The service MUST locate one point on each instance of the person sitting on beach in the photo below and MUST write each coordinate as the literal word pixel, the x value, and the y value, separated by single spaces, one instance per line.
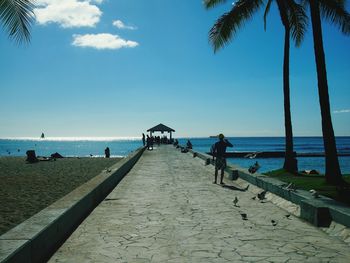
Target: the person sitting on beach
pixel 219 151
pixel 189 144
pixel 31 157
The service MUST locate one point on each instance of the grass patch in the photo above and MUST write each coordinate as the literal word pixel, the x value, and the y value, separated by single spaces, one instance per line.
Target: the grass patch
pixel 308 182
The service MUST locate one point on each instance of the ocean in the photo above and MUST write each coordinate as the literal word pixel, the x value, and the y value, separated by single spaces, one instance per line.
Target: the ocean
pixel 257 144
pixel 85 147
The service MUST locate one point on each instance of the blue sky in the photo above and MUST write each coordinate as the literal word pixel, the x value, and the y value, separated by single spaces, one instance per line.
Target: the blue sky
pixel 119 67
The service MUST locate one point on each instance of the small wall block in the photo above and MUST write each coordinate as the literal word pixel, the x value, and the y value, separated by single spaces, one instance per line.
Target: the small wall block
pixel 315 212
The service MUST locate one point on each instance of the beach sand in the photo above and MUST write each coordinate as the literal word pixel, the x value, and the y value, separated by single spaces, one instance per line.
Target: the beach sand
pixel 25 189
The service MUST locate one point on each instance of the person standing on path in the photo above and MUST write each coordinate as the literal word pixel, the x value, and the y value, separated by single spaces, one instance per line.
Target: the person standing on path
pixel 219 151
pixel 143 139
pixel 107 152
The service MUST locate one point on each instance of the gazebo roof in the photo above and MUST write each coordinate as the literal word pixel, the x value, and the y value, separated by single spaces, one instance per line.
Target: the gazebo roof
pixel 161 128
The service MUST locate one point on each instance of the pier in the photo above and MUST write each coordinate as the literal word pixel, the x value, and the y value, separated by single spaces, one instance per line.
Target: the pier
pixel 166 209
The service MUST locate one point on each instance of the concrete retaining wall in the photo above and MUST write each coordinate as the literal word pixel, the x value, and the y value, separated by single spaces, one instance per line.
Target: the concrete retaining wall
pixel 318 211
pixel 37 238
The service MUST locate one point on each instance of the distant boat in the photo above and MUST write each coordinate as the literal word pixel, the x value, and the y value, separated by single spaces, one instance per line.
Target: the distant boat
pixel 42 136
pixel 213 136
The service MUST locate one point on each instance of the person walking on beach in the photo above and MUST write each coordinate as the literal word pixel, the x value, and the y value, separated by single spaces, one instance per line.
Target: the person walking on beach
pixel 219 150
pixel 143 139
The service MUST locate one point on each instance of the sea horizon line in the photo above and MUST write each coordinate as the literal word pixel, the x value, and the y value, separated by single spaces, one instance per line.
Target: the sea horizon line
pixel 135 138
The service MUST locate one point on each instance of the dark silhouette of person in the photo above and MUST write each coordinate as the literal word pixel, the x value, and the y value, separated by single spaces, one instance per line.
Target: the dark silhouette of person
pixel 107 152
pixel 149 142
pixel 152 142
pixel 219 151
pixel 31 157
pixel 189 144
pixel 143 139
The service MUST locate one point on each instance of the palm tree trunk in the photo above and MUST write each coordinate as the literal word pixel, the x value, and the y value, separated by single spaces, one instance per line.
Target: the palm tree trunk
pixel 333 174
pixel 290 162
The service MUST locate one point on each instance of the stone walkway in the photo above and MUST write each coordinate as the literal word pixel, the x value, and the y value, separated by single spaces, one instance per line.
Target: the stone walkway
pixel 167 210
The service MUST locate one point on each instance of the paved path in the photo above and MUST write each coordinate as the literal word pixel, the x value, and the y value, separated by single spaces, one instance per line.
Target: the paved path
pixel 167 210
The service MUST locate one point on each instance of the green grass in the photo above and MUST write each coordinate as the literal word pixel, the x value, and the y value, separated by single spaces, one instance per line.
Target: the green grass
pixel 308 182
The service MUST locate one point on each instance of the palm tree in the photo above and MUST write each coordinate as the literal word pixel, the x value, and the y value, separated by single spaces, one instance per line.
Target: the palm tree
pixel 293 18
pixel 334 11
pixel 294 21
pixel 16 17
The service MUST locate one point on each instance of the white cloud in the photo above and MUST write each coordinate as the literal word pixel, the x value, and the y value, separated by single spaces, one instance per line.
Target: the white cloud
pixel 119 24
pixel 68 13
pixel 102 41
pixel 342 111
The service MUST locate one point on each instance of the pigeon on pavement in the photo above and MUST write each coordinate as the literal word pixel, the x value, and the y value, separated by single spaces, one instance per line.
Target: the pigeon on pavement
pixel 235 201
pixel 244 216
pixel 261 195
pixel 314 193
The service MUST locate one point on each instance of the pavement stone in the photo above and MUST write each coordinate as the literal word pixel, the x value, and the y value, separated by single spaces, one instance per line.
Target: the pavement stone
pixel 166 209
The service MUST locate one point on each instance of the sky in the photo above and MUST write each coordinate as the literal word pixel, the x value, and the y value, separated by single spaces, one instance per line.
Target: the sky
pixel 114 68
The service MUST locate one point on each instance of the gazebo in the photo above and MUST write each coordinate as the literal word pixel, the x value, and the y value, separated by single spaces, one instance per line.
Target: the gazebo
pixel 161 128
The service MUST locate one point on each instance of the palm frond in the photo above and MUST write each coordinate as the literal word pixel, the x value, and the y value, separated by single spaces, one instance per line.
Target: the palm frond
pixel 212 3
pixel 267 10
pixel 229 23
pixel 17 17
pixel 298 21
pixel 334 11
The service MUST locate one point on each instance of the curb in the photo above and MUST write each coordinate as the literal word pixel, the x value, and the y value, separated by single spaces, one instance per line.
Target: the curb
pixel 37 238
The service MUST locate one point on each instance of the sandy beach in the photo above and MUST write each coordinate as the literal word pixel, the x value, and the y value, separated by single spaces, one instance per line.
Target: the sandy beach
pixel 25 189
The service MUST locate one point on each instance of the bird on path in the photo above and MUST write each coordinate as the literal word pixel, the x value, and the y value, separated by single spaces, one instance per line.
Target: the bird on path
pixel 274 223
pixel 291 187
pixel 235 201
pixel 244 216
pixel 314 193
pixel 287 185
pixel 253 168
pixel 261 195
